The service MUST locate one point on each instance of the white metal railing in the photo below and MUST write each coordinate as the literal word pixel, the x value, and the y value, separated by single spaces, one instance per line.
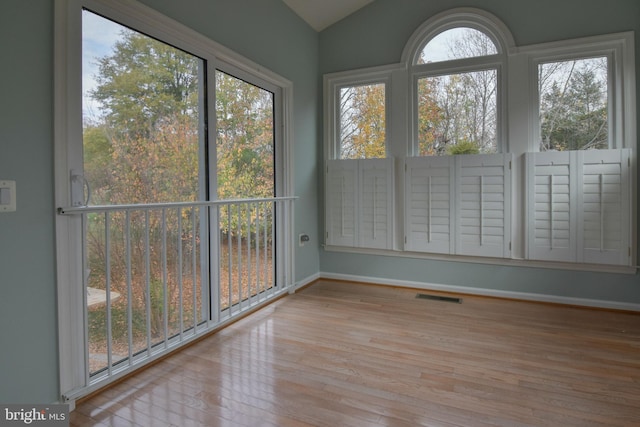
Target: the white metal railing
pixel 158 275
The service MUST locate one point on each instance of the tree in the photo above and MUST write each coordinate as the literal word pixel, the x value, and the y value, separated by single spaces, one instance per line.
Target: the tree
pixel 245 139
pixel 144 83
pixel 458 107
pixel 431 140
pixel 573 105
pixel 363 122
pixel 98 159
pixel 147 144
pixel 149 124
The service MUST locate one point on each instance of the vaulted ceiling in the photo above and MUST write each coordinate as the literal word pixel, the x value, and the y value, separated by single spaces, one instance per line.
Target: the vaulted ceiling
pixel 320 14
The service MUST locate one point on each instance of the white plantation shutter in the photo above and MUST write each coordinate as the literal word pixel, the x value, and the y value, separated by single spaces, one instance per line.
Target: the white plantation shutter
pixel 375 218
pixel 551 206
pixel 578 206
pixel 429 197
pixel 603 206
pixel 341 199
pixel 359 210
pixel 483 205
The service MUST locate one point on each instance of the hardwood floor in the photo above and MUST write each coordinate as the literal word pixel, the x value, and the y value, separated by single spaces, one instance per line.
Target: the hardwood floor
pixel 344 354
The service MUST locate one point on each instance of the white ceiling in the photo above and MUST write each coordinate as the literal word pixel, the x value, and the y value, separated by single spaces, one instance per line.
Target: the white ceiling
pixel 322 13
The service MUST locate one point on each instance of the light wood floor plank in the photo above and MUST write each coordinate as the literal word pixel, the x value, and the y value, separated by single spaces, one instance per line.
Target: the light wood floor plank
pixel 346 354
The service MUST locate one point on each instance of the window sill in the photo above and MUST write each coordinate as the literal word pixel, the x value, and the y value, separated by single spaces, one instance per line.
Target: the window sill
pixel 509 262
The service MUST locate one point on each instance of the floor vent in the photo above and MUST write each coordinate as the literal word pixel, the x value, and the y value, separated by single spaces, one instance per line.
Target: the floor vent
pixel 440 298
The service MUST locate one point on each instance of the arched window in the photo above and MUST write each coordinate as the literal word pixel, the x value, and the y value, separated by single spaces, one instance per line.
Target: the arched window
pixel 457 43
pixel 457 61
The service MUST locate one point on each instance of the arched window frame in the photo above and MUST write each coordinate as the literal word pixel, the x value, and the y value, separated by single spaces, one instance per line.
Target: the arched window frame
pixel 475 19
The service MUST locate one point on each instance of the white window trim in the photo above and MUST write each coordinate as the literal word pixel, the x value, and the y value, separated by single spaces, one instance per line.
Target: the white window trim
pixel 68 125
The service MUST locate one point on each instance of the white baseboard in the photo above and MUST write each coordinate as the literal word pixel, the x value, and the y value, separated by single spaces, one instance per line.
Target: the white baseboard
pixel 525 296
pixel 304 282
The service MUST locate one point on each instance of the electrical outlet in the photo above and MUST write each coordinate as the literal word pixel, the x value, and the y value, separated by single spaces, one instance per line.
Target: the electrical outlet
pixel 7 196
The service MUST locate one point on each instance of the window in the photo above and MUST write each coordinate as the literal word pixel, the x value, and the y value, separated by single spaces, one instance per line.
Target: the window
pixel 142 116
pixel 359 173
pixel 456 75
pixel 542 173
pixel 362 118
pixel 583 94
pixel 245 138
pixel 457 43
pixel 143 141
pixel 457 113
pixel 175 205
pixel 574 104
pixel 579 173
pixel 358 113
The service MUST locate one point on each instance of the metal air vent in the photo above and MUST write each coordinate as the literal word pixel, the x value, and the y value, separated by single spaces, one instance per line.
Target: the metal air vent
pixel 440 298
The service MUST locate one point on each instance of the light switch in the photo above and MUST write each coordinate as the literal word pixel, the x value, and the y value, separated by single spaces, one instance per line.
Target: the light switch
pixel 7 196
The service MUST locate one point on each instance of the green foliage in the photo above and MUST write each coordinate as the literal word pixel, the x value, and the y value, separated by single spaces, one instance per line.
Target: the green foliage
pixel 245 139
pixel 145 147
pixel 144 82
pixel 463 147
pixel 573 106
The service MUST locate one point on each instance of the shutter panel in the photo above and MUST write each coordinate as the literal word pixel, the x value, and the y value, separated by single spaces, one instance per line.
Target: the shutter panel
pixel 429 198
pixel 578 206
pixel 603 206
pixel 341 202
pixel 483 205
pixel 551 207
pixel 375 219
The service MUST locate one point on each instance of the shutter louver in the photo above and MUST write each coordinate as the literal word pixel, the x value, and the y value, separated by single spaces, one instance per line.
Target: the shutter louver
pixel 376 203
pixel 603 215
pixel 429 196
pixel 483 205
pixel 551 221
pixel 359 197
pixel 341 202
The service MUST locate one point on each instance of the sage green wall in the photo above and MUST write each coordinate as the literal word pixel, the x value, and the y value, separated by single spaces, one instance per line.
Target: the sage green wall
pixel 377 34
pixel 265 31
pixel 28 335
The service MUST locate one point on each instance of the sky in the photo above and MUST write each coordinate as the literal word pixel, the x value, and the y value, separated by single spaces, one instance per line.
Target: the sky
pixel 439 48
pixel 98 37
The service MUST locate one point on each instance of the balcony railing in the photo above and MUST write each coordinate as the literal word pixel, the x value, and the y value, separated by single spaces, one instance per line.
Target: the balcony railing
pixel 159 275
